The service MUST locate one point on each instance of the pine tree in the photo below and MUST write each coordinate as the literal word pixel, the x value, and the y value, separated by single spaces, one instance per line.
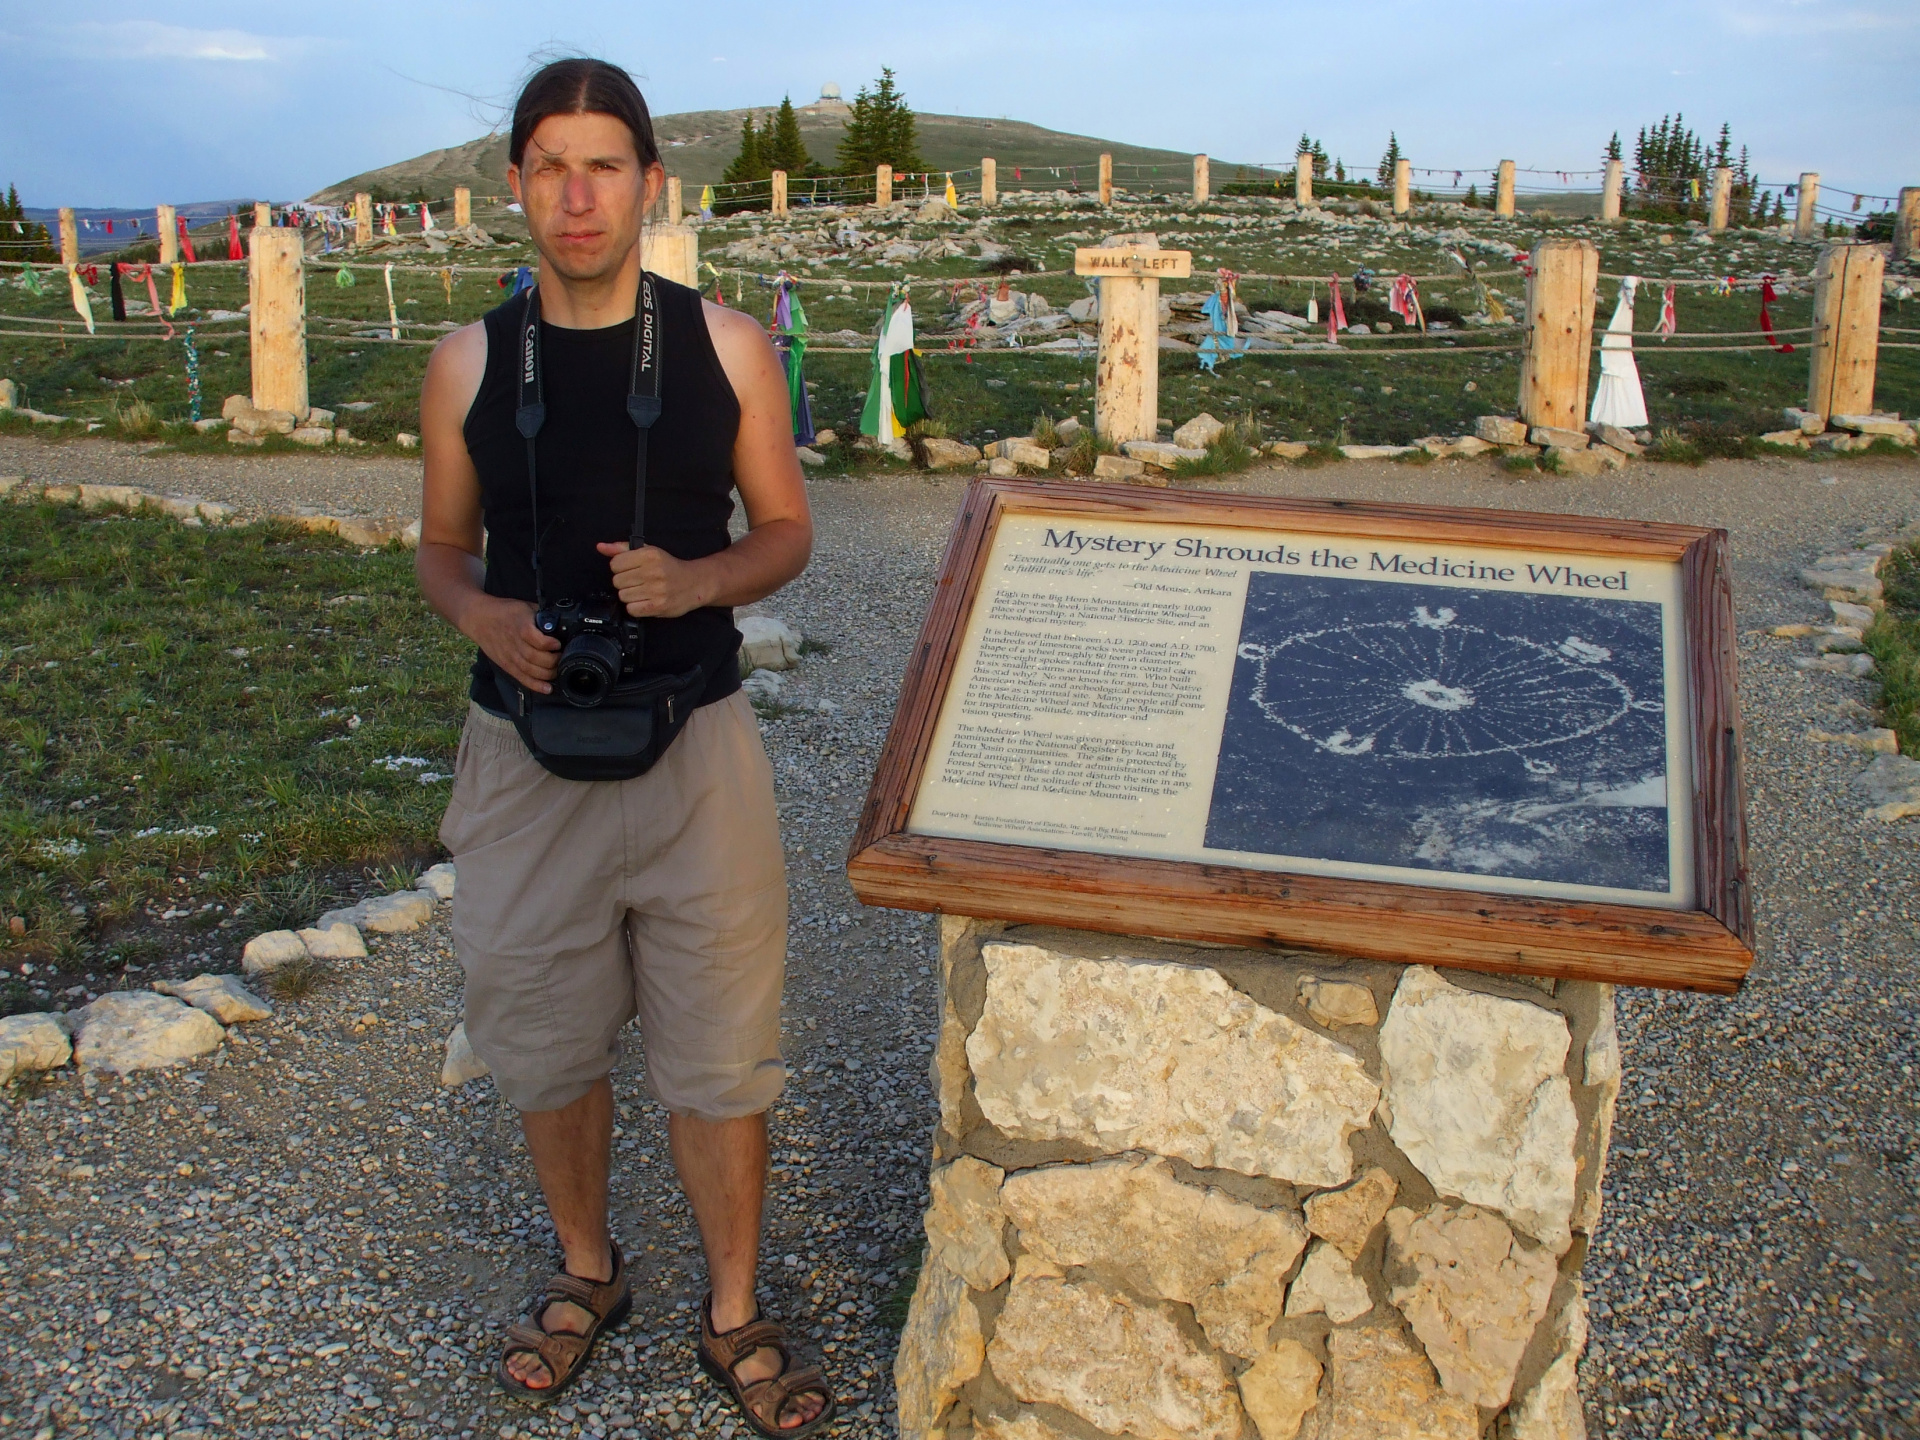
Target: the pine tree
pixel 749 164
pixel 880 131
pixel 30 242
pixel 1613 149
pixel 1389 161
pixel 784 148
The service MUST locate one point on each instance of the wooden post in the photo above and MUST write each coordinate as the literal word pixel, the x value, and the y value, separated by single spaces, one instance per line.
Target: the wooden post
pixel 69 237
pixel 1559 339
pixel 362 220
pixel 883 186
pixel 1809 196
pixel 1846 333
pixel 1303 178
pixel 169 227
pixel 1202 179
pixel 1610 192
pixel 779 192
pixel 462 207
pixel 1106 179
pixel 1503 192
pixel 277 288
pixel 989 181
pixel 262 215
pixel 1126 399
pixel 676 200
pixel 1722 198
pixel 673 252
pixel 1402 186
pixel 1906 224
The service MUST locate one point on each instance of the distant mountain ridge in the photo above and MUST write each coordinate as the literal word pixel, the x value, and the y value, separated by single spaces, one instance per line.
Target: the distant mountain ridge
pixel 697 145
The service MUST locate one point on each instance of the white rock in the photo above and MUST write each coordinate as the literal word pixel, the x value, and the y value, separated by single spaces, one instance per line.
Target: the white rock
pixel 397 913
pixel 1022 451
pixel 1279 1388
pixel 40 1041
pixel 354 915
pixel 1116 1362
pixel 809 457
pixel 460 1064
pixel 1892 783
pixel 1199 432
pixel 132 1030
pixel 1159 454
pixel 1025 1426
pixel 311 435
pixel 1191 1243
pixel 1122 1055
pixel 1600 1061
pixel 965 1223
pixel 1480 1102
pixel 1856 667
pixel 1376 452
pixel 1337 1002
pixel 1346 1218
pixel 221 996
pixel 942 454
pixel 941 1349
pixel 768 643
pixel 338 941
pixel 1551 1408
pixel 271 949
pixel 1474 1296
pixel 763 686
pixel 1068 429
pixel 440 880
pixel 1327 1285
pixel 1380 1388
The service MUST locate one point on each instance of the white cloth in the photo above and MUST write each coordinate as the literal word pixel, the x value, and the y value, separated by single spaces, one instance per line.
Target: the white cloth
pixel 896 338
pixel 1619 399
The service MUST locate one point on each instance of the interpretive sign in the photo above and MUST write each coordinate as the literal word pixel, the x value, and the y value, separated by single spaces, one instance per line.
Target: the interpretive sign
pixel 1133 260
pixel 1470 738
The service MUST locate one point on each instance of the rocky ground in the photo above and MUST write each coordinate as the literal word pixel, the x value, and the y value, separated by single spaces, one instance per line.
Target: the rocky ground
pixel 306 1236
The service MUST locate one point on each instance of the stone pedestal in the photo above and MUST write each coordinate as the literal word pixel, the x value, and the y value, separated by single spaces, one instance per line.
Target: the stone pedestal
pixel 1216 1193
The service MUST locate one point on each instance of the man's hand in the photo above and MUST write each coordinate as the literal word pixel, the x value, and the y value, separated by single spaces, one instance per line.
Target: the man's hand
pixel 504 630
pixel 651 582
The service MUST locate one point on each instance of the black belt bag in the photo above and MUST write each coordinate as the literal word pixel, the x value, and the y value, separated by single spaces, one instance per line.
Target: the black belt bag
pixel 617 739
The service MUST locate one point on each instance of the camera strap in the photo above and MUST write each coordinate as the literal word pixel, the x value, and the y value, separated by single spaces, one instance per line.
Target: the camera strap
pixel 643 408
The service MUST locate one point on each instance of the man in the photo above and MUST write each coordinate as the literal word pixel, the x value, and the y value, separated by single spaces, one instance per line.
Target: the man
pixel 585 901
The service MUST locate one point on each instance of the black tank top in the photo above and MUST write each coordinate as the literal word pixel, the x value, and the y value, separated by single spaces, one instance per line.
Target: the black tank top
pixel 586 459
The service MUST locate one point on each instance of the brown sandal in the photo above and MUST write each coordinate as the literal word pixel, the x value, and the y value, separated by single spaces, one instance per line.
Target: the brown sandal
pixel 565 1352
pixel 761 1401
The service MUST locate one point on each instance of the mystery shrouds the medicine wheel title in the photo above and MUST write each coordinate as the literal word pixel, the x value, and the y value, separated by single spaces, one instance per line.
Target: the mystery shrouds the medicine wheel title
pixel 1457 737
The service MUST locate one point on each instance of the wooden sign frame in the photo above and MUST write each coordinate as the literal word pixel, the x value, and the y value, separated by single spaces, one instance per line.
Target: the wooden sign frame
pixel 1708 947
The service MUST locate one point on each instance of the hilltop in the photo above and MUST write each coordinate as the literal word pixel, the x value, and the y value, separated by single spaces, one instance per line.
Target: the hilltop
pixel 697 144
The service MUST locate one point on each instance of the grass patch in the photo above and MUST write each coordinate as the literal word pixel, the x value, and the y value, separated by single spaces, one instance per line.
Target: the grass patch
pixel 892 1310
pixel 298 979
pixel 1894 642
pixel 203 737
pixel 1519 464
pixel 1321 452
pixel 1234 449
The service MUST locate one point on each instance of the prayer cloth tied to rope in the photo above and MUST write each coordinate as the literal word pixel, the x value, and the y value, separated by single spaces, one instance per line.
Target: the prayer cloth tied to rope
pixel 789 329
pixel 1619 398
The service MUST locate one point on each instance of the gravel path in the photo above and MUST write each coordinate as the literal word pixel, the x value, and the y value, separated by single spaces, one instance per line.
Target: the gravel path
pixel 189 1252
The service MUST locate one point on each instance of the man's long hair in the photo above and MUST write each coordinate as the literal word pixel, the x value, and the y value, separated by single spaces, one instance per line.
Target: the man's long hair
pixel 582 87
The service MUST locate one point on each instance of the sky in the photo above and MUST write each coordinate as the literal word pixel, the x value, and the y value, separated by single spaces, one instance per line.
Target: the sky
pixel 121 109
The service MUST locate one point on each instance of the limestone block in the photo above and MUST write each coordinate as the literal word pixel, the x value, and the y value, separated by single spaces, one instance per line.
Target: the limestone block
pixel 1002 468
pixel 1892 427
pixel 1337 1002
pixel 1551 1409
pixel 338 941
pixel 1618 439
pixel 1858 616
pixel 1286 449
pixel 1025 1426
pixel 1892 783
pixel 1346 1218
pixel 965 1222
pixel 1196 1244
pixel 948 1067
pixel 1499 430
pixel 397 913
pixel 1199 432
pixel 119 497
pixel 1124 1055
pixel 314 435
pixel 221 996
pixel 1376 452
pixel 1068 429
pixel 1380 1387
pixel 1555 438
pixel 317 415
pixel 767 643
pixel 34 1042
pixel 1475 1297
pixel 132 1030
pixel 1479 1101
pixel 1279 1388
pixel 460 1064
pixel 262 422
pixel 365 531
pixel 271 949
pixel 948 454
pixel 1159 453
pixel 1327 1285
pixel 941 1349
pixel 1021 451
pixel 440 880
pixel 1795 438
pixel 1116 1362
pixel 235 405
pixel 1574 462
pixel 1118 467
pixel 1808 422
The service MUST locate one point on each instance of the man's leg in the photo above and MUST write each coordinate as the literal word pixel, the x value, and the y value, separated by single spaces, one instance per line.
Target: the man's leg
pixel 571 1147
pixel 723 1169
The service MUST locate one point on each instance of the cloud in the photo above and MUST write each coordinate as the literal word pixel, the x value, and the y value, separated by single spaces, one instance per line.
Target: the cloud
pixel 154 40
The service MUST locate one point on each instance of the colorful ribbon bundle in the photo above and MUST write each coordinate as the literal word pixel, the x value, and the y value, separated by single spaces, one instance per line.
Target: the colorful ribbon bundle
pixel 193 378
pixel 1669 320
pixel 789 329
pixel 1336 311
pixel 1223 339
pixel 1767 296
pixel 1404 301
pixel 895 398
pixel 178 300
pixel 138 273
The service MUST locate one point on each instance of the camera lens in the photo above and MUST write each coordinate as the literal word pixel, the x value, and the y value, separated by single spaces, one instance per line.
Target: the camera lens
pixel 589 666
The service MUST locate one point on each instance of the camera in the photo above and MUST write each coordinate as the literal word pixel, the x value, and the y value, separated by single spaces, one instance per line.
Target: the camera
pixel 599 642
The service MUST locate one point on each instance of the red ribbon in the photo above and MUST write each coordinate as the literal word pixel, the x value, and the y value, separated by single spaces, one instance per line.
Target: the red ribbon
pixel 186 245
pixel 137 273
pixel 234 252
pixel 1336 312
pixel 1767 297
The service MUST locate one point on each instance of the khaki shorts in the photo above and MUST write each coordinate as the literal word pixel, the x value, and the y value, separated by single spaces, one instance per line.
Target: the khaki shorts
pixel 584 903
